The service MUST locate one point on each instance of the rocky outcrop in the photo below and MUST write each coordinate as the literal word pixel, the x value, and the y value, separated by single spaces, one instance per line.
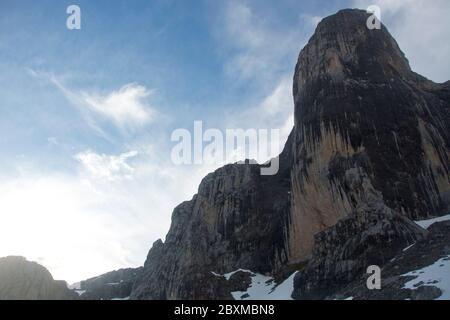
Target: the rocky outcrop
pixel 406 266
pixel 369 151
pixel 369 236
pixel 112 285
pixel 24 280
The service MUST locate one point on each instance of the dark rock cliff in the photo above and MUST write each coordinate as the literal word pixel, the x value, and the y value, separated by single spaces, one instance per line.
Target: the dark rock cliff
pixel 25 280
pixel 367 130
pixel 369 151
pixel 369 236
pixel 238 219
pixel 112 285
pixel 364 121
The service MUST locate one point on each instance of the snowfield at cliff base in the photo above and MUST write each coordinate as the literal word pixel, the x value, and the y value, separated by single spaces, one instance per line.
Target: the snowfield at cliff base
pixel 436 274
pixel 263 287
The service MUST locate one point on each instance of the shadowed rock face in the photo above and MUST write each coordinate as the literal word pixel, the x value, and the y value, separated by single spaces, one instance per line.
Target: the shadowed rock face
pixel 370 148
pixel 237 220
pixel 425 252
pixel 24 280
pixel 364 122
pixel 371 235
pixel 112 285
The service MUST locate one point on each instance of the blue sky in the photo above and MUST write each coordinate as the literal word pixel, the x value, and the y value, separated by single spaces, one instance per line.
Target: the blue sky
pixel 86 115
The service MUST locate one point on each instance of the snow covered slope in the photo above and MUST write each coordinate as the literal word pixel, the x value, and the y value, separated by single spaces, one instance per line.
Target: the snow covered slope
pixel 426 223
pixel 263 287
pixel 436 274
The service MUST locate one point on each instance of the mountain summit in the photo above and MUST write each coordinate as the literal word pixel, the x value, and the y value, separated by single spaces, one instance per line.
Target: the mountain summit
pixel 367 129
pixel 368 155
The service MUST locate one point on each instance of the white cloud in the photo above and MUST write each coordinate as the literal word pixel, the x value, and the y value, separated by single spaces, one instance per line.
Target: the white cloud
pixel 263 52
pixel 109 167
pixel 277 109
pixel 421 29
pixel 53 219
pixel 53 141
pixel 279 100
pixel 126 107
pixel 102 217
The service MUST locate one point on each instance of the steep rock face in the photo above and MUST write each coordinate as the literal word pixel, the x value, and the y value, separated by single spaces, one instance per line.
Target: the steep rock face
pixel 237 220
pixel 112 285
pixel 24 280
pixel 363 122
pixel 370 147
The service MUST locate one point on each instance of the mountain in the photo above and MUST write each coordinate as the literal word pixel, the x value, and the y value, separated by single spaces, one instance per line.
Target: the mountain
pixel 112 285
pixel 238 219
pixel 369 153
pixel 24 280
pixel 362 178
pixel 367 129
pixel 373 150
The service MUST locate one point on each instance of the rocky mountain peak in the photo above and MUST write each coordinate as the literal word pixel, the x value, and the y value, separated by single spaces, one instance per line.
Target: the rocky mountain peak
pixel 369 152
pixel 365 124
pixel 343 47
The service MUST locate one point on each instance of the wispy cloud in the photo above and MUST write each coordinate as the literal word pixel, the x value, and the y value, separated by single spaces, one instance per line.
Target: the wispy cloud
pixel 277 109
pixel 279 100
pixel 259 50
pixel 274 111
pixel 126 108
pixel 107 213
pixel 109 167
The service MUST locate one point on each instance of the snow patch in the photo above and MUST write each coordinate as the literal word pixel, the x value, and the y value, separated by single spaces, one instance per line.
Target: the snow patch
pixel 406 249
pixel 426 223
pixel 228 275
pixel 216 274
pixel 262 287
pixel 80 292
pixel 126 298
pixel 265 288
pixel 74 286
pixel 436 274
